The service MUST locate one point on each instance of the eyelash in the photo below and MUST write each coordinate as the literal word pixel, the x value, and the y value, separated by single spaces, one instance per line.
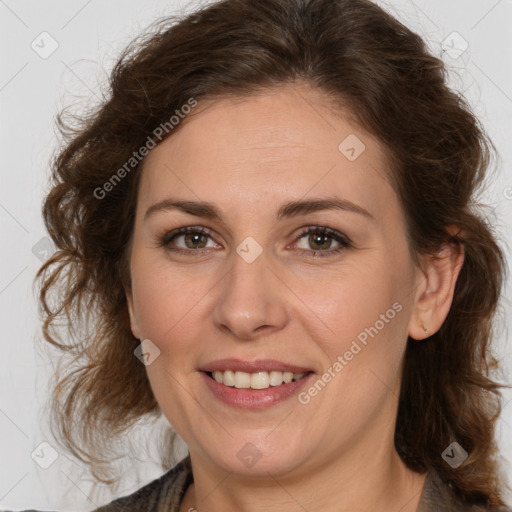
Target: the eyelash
pixel 343 240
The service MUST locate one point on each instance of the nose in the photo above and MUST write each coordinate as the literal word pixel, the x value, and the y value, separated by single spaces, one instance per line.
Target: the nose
pixel 252 299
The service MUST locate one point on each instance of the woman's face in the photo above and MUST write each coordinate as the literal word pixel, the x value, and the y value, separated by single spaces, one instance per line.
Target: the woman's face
pixel 255 289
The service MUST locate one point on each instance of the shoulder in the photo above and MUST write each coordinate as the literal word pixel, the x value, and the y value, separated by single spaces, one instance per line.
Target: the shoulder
pixel 437 496
pixel 163 494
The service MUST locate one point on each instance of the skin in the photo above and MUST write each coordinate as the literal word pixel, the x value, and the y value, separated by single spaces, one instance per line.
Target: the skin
pixel 248 157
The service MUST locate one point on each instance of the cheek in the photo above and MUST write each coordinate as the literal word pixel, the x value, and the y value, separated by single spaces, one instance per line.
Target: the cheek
pixel 166 304
pixel 350 301
pixel 364 322
pixel 165 301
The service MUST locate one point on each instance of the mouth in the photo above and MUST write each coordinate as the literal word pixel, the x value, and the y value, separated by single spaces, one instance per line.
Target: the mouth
pixel 257 380
pixel 254 384
pixel 251 387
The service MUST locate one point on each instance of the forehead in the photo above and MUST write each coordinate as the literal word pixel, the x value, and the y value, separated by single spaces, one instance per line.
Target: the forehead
pixel 281 144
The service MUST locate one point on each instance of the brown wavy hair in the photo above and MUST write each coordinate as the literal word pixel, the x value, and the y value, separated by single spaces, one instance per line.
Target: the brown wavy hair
pixel 363 59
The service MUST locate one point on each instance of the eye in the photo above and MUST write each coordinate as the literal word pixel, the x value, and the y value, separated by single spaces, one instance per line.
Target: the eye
pixel 320 238
pixel 195 239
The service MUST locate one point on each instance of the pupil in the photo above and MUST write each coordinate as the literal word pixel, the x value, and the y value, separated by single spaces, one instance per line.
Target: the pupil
pixel 316 239
pixel 195 236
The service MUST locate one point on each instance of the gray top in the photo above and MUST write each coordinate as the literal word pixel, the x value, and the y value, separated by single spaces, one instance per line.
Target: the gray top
pixel 166 493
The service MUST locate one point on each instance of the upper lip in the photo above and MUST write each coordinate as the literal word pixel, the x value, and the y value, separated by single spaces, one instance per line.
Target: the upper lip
pixel 258 365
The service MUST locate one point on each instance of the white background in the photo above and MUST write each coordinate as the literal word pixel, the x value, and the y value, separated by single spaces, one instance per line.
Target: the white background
pixel 90 35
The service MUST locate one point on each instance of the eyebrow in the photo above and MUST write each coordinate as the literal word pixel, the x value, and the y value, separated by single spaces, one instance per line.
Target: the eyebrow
pixel 287 210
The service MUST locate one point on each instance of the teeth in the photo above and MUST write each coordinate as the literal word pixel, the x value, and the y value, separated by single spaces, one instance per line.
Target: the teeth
pixel 242 380
pixel 276 378
pixel 258 380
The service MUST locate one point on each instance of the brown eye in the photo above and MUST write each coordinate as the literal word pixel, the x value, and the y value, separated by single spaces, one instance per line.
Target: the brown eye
pixel 194 239
pixel 320 240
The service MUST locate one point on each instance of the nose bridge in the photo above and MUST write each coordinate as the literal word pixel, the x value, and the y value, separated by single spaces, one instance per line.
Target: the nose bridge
pixel 250 298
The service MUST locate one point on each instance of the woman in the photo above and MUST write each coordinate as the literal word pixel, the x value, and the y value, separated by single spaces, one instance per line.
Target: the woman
pixel 267 233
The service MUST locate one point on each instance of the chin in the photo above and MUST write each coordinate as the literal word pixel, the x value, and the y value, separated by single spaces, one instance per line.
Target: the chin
pixel 258 455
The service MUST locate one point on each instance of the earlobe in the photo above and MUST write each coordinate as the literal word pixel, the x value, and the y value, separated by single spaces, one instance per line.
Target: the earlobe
pixel 435 293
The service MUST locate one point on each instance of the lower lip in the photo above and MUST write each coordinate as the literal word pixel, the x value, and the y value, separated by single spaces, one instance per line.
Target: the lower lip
pixel 254 398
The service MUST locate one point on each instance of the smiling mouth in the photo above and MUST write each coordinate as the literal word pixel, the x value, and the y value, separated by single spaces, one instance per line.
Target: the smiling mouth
pixel 257 380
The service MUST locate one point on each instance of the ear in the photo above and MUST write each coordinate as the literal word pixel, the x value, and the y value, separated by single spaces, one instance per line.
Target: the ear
pixel 434 294
pixel 133 318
